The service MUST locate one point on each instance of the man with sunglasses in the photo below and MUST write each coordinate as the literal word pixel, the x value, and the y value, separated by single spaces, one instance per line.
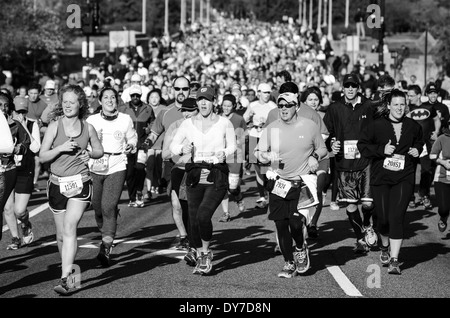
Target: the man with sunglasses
pixel 345 118
pixel 165 118
pixel 293 146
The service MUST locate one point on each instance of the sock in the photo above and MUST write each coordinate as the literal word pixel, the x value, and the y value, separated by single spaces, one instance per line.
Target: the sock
pixel 367 214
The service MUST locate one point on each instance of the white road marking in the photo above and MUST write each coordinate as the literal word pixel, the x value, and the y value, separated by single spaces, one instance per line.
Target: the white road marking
pixel 343 281
pixel 34 212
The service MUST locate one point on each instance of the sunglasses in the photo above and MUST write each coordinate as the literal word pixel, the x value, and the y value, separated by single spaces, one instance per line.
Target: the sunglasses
pixel 185 89
pixel 348 85
pixel 288 105
pixel 135 95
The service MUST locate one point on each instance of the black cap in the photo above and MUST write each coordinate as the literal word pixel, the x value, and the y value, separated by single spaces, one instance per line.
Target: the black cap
pixel 229 97
pixel 189 104
pixel 351 78
pixel 431 87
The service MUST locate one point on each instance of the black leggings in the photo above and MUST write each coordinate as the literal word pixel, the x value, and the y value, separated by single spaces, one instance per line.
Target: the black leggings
pixel 442 191
pixel 203 200
pixel 391 202
pixel 287 230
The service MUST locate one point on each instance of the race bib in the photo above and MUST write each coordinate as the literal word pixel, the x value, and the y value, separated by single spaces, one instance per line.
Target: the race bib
pixel 142 157
pixel 394 163
pixel 18 160
pixel 70 186
pixel 2 168
pixel 448 175
pixel 207 157
pixel 100 165
pixel 281 188
pixel 351 150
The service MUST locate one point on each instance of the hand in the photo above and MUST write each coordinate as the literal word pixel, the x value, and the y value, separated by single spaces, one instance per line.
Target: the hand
pixel 434 135
pixel 187 148
pixel 269 156
pixel 336 146
pixel 128 149
pixel 68 146
pixel 313 164
pixel 389 149
pixel 84 156
pixel 413 152
pixel 220 156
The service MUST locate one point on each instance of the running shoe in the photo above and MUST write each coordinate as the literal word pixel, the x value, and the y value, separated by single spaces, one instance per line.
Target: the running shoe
pixel 132 204
pixel 313 232
pixel 104 255
pixel 183 244
pixel 385 256
pixel 36 188
pixel 15 244
pixel 427 203
pixel 204 263
pixel 301 258
pixel 241 206
pixel 361 247
pixel 191 256
pixel 225 217
pixel 442 224
pixel 27 234
pixel 261 203
pixel 288 270
pixel 139 200
pixel 370 236
pixel 65 286
pixel 334 206
pixel 412 204
pixel 394 267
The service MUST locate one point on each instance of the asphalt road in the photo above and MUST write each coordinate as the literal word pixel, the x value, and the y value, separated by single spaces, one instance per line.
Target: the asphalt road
pixel 146 265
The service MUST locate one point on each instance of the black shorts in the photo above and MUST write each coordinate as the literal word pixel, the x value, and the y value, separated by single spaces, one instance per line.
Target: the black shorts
pixel 24 184
pixel 58 202
pixel 354 186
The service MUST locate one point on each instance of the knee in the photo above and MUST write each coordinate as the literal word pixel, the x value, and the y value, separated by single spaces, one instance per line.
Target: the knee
pixel 351 208
pixel 367 205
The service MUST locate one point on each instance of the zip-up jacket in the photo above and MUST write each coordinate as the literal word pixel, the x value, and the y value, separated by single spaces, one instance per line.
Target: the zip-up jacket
pixel 345 123
pixel 142 120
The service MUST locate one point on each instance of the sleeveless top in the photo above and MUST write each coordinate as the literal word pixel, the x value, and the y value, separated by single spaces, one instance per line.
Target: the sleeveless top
pixel 69 164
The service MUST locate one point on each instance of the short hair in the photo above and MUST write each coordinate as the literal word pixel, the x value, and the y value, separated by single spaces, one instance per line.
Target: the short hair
pixel 157 91
pixel 395 93
pixel 35 86
pixel 309 91
pixel 415 88
pixel 10 101
pixel 289 87
pixel 108 88
pixel 285 74
pixel 386 80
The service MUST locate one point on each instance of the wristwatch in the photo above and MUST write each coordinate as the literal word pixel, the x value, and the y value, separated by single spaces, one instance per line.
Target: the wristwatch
pixel 315 155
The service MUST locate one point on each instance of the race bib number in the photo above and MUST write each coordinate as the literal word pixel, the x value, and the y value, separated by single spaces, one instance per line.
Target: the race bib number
pixel 70 186
pixel 100 165
pixel 281 188
pixel 207 157
pixel 351 150
pixel 394 163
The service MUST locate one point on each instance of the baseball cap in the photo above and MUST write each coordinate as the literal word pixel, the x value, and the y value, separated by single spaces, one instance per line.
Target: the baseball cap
pixel 431 88
pixel 189 104
pixel 135 89
pixel 288 97
pixel 21 103
pixel 136 78
pixel 206 92
pixel 264 87
pixel 50 84
pixel 236 86
pixel 351 78
pixel 230 98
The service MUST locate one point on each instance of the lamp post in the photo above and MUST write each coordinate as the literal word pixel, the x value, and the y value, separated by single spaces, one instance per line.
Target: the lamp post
pixel 330 20
pixel 310 14
pixel 300 4
pixel 166 18
pixel 144 16
pixel 319 18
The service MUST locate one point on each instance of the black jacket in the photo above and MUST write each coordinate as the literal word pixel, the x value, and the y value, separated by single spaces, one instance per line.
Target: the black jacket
pixel 218 174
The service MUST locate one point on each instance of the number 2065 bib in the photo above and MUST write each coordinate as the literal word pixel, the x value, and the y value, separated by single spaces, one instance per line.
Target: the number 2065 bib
pixel 70 186
pixel 394 163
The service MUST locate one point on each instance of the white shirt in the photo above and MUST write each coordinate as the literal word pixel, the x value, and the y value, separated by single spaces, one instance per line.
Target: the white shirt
pixel 114 136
